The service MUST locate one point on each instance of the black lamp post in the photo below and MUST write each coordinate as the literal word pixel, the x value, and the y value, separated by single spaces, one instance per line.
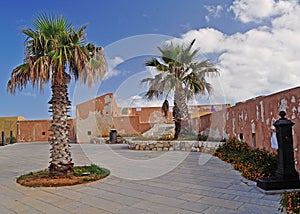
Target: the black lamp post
pixel 286 176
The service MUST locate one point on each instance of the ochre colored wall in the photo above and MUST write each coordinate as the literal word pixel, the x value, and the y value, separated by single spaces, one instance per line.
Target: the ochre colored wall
pixel 8 124
pixel 38 130
pixel 94 118
pixel 130 125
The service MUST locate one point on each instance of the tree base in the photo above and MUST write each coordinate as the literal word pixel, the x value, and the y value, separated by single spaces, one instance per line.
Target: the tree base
pixel 182 129
pixel 61 171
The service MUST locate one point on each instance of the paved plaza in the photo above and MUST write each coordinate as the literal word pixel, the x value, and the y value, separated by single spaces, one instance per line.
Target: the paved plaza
pixel 140 182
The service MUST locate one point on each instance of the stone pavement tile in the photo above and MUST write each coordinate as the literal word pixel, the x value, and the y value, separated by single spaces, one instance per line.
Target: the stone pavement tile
pixel 78 207
pixel 188 173
pixel 91 210
pixel 234 205
pixel 194 206
pixel 216 179
pixel 227 196
pixel 87 190
pixel 73 206
pixel 133 210
pixel 124 191
pixel 110 180
pixel 20 207
pixel 183 179
pixel 69 194
pixel 53 199
pixel 202 192
pixel 188 212
pixel 42 206
pixel 172 202
pixel 216 184
pixel 160 184
pixel 156 208
pixel 276 197
pixel 122 199
pixel 163 192
pixel 256 201
pixel 103 204
pixel 218 210
pixel 190 197
pixel 151 188
pixel 10 192
pixel 45 196
pixel 255 190
pixel 63 202
pixel 256 209
pixel 6 211
pixel 242 187
pixel 199 187
pixel 238 193
pixel 181 185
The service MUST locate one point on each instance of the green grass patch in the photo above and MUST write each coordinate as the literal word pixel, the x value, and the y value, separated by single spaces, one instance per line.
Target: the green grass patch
pixel 82 174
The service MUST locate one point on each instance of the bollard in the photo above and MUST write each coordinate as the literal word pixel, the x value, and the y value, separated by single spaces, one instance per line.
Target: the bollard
pixel 3 138
pixel 286 176
pixel 10 136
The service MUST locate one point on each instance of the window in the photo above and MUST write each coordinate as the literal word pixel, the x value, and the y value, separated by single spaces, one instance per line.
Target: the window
pixel 241 136
pixel 89 132
pixel 43 133
pixel 253 140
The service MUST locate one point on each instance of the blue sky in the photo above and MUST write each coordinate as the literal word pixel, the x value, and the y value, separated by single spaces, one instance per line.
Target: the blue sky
pixel 255 43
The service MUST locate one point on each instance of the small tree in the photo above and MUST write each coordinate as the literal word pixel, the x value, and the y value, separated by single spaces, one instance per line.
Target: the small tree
pixel 54 52
pixel 179 72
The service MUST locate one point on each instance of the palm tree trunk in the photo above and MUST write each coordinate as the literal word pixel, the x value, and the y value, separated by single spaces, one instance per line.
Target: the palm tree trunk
pixel 61 162
pixel 180 110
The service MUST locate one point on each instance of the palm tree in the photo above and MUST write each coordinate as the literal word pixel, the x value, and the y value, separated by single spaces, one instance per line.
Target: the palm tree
pixel 54 52
pixel 179 71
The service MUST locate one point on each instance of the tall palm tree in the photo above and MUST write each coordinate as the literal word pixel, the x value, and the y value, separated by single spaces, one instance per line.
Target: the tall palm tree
pixel 54 52
pixel 179 71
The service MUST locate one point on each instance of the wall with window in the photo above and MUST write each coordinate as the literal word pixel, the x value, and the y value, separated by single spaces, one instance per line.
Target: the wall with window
pixel 252 120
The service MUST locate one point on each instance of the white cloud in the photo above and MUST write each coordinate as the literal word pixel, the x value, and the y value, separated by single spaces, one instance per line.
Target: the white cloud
pixel 214 11
pixel 260 61
pixel 111 65
pixel 208 40
pixel 260 10
pixel 138 101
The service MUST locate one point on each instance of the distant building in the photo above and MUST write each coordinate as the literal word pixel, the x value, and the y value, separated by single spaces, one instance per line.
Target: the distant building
pixel 9 126
pixel 96 117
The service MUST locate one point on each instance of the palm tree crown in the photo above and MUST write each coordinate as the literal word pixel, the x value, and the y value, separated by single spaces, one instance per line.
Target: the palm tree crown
pixel 51 46
pixel 179 71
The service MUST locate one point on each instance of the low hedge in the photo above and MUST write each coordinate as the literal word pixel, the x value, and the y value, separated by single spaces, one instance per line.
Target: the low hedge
pixel 252 163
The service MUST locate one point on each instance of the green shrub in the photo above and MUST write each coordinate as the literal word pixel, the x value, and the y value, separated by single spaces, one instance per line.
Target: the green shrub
pixel 13 140
pixel 290 202
pixel 252 163
pixel 202 137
